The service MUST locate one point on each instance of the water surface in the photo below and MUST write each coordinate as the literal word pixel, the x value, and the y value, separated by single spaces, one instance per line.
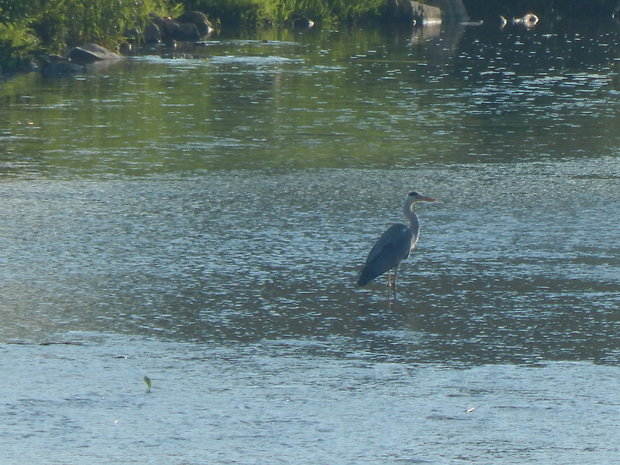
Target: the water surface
pixel 200 216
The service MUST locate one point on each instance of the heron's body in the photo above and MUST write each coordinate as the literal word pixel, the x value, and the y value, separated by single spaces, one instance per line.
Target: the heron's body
pixel 394 245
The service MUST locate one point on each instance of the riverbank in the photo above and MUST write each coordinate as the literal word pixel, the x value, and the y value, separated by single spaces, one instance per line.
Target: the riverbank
pixel 30 30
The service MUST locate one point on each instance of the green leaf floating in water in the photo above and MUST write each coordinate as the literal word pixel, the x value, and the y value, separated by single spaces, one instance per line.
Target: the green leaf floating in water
pixel 147 380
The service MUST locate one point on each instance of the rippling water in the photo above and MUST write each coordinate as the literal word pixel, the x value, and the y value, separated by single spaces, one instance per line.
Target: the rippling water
pixel 202 221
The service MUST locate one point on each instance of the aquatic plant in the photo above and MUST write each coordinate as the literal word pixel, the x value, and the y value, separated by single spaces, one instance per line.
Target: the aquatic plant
pixel 148 382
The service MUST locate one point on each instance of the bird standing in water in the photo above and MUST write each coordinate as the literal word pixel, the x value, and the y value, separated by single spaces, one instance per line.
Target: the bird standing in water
pixel 394 245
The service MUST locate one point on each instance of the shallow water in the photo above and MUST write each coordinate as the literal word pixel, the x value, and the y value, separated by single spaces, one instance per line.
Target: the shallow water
pixel 283 401
pixel 202 221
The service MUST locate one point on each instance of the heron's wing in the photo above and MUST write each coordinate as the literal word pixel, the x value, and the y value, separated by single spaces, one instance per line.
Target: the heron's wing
pixel 391 249
pixel 394 243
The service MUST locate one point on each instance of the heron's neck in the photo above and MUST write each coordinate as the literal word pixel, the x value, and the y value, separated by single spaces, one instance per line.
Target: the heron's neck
pixel 413 219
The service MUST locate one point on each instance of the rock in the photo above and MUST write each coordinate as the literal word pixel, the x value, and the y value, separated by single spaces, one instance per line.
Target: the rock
pixel 178 56
pixel 133 35
pixel 125 48
pixel 57 66
pixel 301 22
pixel 400 10
pixel 189 27
pixel 91 53
pixel 183 32
pixel 72 63
pixel 425 14
pixel 152 34
pixel 428 11
pixel 200 20
pixel 452 10
pixel 529 20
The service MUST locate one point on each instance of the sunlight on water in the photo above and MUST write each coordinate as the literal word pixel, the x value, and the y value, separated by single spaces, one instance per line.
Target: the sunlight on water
pixel 279 257
pixel 199 216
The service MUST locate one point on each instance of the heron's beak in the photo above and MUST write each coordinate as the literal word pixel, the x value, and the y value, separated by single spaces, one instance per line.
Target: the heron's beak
pixel 426 199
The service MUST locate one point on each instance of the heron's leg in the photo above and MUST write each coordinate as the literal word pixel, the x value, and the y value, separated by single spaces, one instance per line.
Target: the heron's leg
pixel 395 276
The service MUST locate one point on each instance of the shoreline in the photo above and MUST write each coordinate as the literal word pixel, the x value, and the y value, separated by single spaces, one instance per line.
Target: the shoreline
pixel 28 52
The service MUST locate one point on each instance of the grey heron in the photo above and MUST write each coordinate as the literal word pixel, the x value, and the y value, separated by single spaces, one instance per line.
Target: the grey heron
pixel 394 245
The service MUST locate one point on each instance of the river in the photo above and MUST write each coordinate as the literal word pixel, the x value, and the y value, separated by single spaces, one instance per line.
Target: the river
pixel 199 216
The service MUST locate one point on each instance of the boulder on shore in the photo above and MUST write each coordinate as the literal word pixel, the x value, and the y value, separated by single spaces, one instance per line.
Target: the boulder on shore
pixel 58 66
pixel 199 19
pixel 152 33
pixel 191 26
pixel 424 14
pixel 73 62
pixel 90 53
pixel 428 11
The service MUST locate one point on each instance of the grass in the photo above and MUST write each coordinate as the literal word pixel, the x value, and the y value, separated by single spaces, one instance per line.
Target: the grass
pixel 17 44
pixel 61 24
pixel 280 12
pixel 30 27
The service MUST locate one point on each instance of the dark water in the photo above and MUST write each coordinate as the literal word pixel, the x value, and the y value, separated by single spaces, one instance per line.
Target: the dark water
pixel 202 221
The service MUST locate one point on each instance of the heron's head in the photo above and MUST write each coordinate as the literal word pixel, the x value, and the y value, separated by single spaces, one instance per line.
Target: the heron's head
pixel 413 197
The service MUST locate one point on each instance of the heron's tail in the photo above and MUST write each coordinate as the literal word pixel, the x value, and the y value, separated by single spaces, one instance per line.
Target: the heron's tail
pixel 366 275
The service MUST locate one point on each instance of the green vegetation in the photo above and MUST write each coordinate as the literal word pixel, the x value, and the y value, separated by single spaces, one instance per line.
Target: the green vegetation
pixel 31 27
pixel 17 43
pixel 148 383
pixel 59 24
pixel 283 11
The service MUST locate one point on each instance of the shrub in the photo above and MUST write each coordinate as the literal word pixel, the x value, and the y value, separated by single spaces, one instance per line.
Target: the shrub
pixel 282 11
pixel 17 44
